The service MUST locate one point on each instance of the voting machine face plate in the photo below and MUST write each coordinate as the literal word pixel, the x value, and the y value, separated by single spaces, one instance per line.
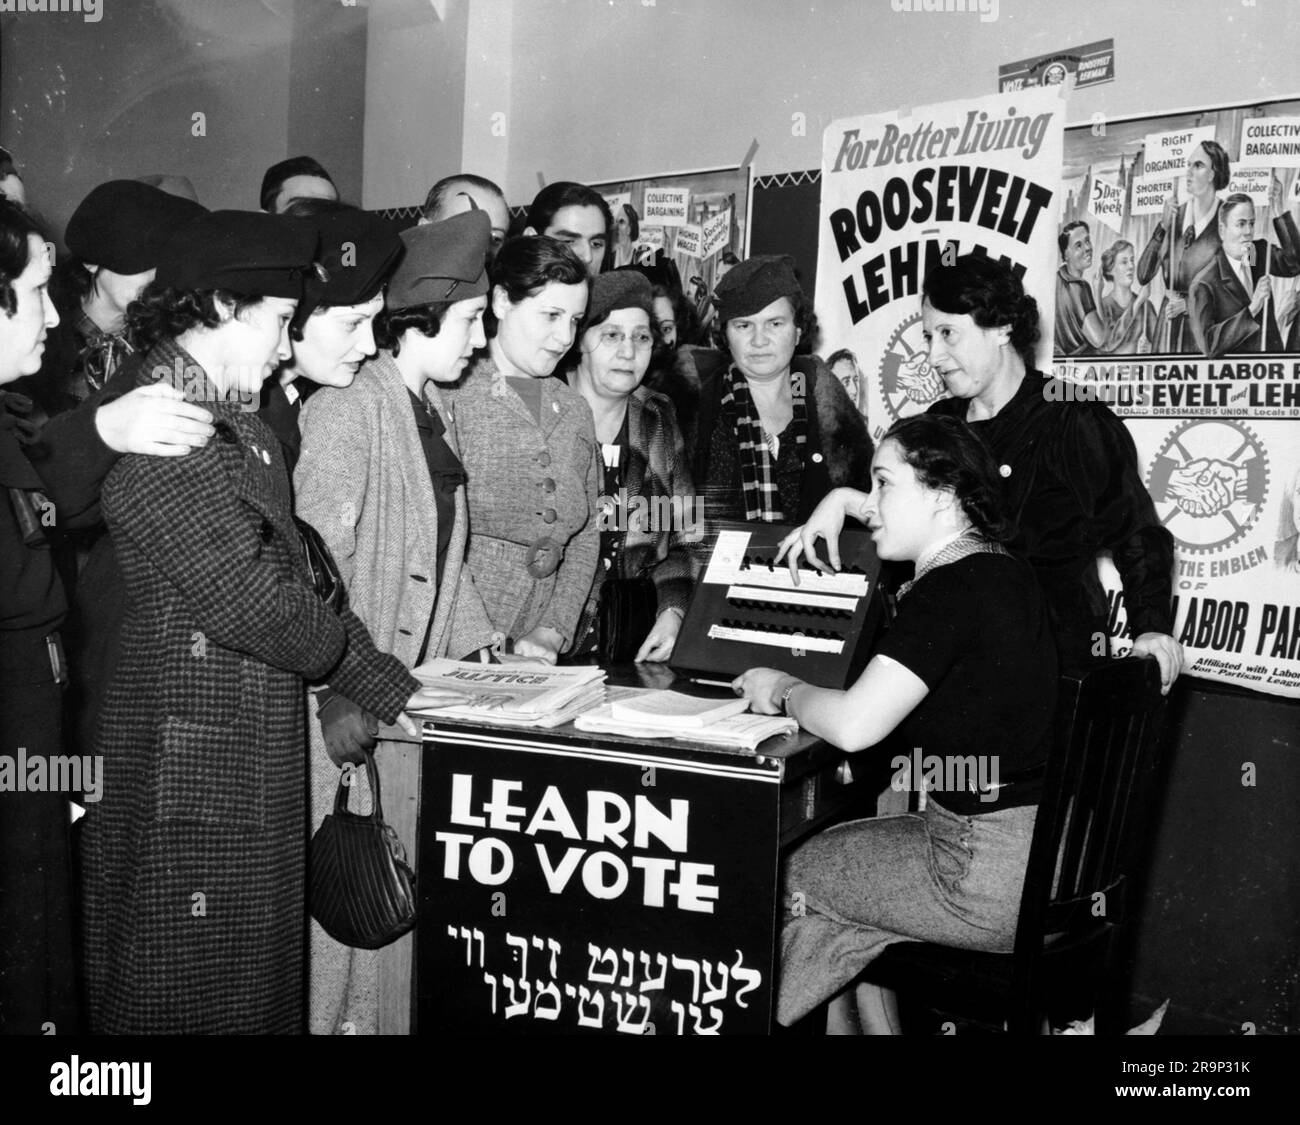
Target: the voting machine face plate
pixel 746 611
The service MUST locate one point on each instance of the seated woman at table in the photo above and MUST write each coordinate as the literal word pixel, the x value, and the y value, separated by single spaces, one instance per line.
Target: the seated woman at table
pixel 967 672
pixel 647 504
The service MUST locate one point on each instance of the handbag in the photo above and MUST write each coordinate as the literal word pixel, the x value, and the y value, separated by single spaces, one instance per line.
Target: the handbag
pixel 625 615
pixel 322 571
pixel 361 890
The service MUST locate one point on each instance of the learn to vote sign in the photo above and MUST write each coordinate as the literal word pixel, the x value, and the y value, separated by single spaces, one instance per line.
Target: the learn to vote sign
pixel 568 889
pixel 900 195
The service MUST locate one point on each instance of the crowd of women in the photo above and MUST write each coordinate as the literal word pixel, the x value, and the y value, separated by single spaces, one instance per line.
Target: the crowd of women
pixel 459 419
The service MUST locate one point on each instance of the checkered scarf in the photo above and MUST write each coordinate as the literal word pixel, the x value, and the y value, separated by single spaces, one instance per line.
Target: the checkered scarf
pixel 757 465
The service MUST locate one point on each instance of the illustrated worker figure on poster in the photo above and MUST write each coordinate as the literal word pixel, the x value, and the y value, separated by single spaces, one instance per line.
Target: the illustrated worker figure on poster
pixel 1230 303
pixel 1079 327
pixel 1189 235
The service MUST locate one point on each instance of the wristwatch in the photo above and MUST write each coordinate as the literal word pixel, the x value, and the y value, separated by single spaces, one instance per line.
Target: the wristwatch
pixel 785 698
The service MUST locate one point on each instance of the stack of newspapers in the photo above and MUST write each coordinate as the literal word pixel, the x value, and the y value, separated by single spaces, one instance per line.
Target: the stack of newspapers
pixel 638 713
pixel 513 695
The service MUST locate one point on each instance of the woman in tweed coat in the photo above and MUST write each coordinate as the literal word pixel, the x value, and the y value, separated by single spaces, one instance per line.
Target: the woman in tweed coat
pixel 529 450
pixel 648 513
pixel 194 859
pixel 397 525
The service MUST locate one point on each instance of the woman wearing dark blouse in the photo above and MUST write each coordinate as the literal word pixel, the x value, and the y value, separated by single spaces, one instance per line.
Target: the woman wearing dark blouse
pixel 380 478
pixel 967 675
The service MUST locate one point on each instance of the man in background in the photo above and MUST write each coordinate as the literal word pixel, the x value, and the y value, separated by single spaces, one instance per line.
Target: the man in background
pixel 299 177
pixel 468 192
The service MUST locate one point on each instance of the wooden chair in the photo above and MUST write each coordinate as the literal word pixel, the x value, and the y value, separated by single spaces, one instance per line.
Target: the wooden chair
pixel 1095 818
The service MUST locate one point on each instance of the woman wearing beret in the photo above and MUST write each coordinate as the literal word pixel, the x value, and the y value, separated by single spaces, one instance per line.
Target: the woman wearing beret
pixel 647 515
pixel 194 860
pixel 775 432
pixel 380 478
pixel 529 450
pixel 333 327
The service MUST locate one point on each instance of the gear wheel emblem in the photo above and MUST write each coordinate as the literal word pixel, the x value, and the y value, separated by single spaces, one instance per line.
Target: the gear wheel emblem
pixel 908 384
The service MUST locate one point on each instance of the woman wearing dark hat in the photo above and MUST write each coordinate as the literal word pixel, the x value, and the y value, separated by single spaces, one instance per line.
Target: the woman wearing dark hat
pixel 775 432
pixel 333 328
pixel 381 479
pixel 647 514
pixel 529 451
pixel 114 238
pixel 194 859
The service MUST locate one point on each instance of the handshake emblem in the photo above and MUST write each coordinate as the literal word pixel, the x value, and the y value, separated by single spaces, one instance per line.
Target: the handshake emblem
pixel 1205 486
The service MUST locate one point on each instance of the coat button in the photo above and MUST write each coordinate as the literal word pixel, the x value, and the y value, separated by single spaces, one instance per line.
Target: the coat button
pixel 548 484
pixel 544 459
pixel 266 531
pixel 549 516
pixel 1004 470
pixel 817 458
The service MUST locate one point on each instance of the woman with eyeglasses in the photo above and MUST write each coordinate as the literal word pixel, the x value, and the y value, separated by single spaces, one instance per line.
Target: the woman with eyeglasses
pixel 647 511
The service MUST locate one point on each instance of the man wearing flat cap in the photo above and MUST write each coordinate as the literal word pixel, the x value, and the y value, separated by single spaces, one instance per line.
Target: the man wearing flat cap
pixel 775 432
pixel 384 452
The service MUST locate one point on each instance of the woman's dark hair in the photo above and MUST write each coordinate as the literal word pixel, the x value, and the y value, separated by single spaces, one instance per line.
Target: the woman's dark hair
pixel 161 313
pixel 15 251
pixel 524 266
pixel 70 285
pixel 1219 163
pixel 684 314
pixel 633 221
pixel 990 294
pixel 1109 255
pixel 555 197
pixel 946 455
pixel 391 323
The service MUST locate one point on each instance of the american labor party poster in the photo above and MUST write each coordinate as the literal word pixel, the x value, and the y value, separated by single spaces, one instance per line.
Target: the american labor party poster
pixel 903 192
pixel 1178 308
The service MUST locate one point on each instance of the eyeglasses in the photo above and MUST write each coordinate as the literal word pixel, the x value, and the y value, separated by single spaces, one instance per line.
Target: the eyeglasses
pixel 614 338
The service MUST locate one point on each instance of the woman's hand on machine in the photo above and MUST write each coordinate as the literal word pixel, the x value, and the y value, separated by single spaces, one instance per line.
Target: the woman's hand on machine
pixel 826 522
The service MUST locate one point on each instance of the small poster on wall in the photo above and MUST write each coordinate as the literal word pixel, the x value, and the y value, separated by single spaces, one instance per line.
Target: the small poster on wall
pixel 687 222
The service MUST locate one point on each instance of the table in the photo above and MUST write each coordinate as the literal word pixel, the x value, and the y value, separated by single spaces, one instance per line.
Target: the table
pixel 572 882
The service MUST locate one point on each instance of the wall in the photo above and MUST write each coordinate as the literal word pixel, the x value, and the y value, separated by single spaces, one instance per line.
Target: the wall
pixel 414 99
pixel 87 102
pixel 608 88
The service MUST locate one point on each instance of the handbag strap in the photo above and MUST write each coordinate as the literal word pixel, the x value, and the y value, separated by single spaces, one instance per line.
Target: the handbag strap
pixel 372 775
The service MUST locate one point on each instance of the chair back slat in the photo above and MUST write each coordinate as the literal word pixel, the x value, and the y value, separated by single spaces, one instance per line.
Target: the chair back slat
pixel 1090 829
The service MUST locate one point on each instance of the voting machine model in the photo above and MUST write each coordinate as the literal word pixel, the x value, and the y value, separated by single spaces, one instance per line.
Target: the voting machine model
pixel 747 612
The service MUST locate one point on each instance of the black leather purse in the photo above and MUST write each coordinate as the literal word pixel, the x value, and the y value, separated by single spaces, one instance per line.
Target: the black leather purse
pixel 321 569
pixel 361 890
pixel 625 615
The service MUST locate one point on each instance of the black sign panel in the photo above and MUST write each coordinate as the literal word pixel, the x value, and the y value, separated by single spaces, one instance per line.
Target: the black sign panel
pixel 567 889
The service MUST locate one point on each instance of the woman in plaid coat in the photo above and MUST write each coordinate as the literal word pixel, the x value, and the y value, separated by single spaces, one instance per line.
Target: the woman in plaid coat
pixel 194 860
pixel 648 513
